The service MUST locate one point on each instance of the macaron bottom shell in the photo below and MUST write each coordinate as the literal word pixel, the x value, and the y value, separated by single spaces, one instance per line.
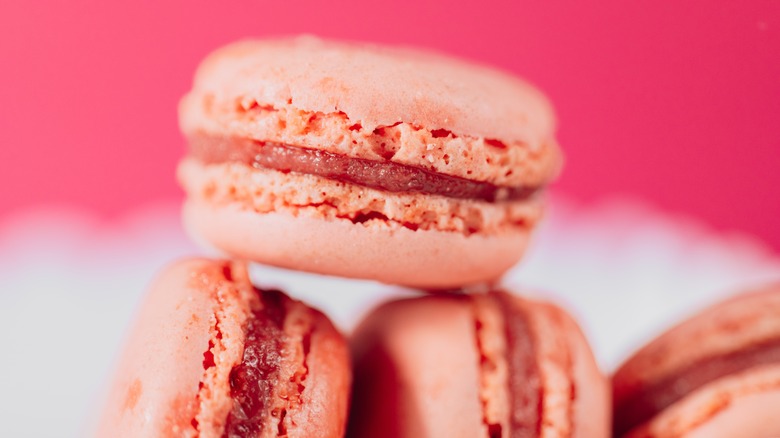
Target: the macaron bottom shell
pixel 377 251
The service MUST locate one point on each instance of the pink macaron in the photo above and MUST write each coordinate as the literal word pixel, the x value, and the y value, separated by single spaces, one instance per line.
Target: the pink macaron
pixel 212 356
pixel 714 375
pixel 397 165
pixel 482 365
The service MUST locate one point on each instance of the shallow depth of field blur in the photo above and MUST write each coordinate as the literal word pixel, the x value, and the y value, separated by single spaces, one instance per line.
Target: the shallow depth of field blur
pixel 669 199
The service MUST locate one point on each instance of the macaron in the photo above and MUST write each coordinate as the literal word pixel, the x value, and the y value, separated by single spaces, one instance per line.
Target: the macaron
pixel 481 365
pixel 714 375
pixel 212 356
pixel 398 165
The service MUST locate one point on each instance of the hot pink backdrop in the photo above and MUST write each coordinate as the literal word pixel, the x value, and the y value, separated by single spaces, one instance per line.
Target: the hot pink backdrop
pixel 677 102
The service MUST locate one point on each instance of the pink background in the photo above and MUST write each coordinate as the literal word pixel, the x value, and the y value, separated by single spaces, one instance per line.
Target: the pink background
pixel 676 103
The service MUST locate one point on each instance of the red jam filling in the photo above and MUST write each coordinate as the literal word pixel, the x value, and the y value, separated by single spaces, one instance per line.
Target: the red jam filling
pixel 525 386
pixel 657 396
pixel 381 175
pixel 252 381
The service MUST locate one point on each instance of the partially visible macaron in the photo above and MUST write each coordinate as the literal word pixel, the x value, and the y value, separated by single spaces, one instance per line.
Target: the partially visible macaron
pixel 714 375
pixel 363 161
pixel 481 365
pixel 212 356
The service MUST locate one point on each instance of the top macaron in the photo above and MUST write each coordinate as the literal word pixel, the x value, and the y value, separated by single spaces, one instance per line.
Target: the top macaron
pixel 397 165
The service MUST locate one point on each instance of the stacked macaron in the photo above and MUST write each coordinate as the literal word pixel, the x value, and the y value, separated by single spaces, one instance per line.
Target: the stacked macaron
pixel 367 162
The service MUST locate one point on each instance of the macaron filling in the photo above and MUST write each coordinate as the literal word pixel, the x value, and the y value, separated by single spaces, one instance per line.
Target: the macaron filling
pixel 525 385
pixel 382 175
pixel 657 396
pixel 253 380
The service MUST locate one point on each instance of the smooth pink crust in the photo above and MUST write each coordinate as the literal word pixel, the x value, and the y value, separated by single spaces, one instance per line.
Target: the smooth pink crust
pixel 417 87
pixel 417 371
pixel 373 250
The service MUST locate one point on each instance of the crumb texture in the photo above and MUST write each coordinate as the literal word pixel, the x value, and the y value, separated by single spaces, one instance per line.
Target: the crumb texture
pixel 228 288
pixel 254 380
pixel 265 191
pixel 437 113
pixel 493 367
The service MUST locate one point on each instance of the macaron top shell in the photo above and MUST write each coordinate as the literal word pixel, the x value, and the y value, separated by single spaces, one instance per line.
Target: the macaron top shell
pixel 379 86
pixel 367 101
